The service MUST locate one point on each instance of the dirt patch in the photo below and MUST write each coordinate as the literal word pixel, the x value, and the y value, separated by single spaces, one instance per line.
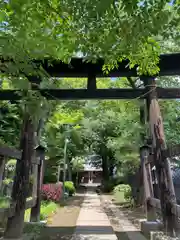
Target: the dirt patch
pixel 118 230
pixel 62 225
pixel 135 215
pixel 121 222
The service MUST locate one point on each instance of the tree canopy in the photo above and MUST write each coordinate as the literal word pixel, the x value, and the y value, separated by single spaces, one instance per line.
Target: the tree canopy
pixel 113 30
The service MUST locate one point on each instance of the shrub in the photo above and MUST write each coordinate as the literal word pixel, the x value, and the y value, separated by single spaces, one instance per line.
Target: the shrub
pixel 10 167
pixel 69 187
pixel 126 189
pixel 52 191
pixel 7 181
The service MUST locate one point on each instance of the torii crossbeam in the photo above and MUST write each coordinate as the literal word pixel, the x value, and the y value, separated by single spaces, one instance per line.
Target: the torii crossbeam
pixel 169 65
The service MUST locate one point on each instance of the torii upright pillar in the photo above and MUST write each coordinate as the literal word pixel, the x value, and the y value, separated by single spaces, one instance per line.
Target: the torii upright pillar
pixel 164 175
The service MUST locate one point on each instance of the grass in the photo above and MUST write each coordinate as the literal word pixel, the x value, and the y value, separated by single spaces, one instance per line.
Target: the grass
pixel 47 209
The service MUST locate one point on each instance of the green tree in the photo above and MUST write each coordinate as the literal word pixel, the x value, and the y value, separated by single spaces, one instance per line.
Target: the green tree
pixel 10 123
pixel 77 166
pixel 62 29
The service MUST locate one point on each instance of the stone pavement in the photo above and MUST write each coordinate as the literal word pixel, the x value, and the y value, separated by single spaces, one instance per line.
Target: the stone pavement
pixel 93 223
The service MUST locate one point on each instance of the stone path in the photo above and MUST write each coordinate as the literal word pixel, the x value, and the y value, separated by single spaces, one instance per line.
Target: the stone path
pixel 93 223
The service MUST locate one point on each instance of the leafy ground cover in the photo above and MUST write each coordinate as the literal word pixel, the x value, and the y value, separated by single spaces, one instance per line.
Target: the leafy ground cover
pixel 47 210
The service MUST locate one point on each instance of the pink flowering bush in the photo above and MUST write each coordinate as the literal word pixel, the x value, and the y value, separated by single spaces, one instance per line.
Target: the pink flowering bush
pixel 52 191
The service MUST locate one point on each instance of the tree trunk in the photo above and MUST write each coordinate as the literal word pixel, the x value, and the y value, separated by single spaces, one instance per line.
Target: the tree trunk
pixel 77 179
pixel 105 168
pixel 35 211
pixel 69 170
pixel 111 170
pixel 140 187
pixel 2 167
pixel 15 224
pixel 58 173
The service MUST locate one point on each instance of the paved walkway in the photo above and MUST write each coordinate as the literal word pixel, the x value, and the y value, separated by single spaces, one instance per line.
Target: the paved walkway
pixel 93 223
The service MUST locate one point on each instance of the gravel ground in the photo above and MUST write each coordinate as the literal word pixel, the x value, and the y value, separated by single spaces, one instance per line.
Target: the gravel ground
pixel 114 219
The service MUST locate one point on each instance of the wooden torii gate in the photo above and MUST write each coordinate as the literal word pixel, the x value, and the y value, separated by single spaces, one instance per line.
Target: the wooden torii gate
pixel 169 65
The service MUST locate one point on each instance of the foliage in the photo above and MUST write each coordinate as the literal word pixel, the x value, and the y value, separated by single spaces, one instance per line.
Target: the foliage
pixel 62 29
pixel 109 128
pixel 10 167
pixel 49 174
pixel 112 30
pixel 69 187
pixel 170 110
pixel 126 189
pixel 4 202
pixel 47 209
pixel 63 124
pixel 33 231
pixel 78 163
pixel 7 181
pixel 10 122
pixel 52 192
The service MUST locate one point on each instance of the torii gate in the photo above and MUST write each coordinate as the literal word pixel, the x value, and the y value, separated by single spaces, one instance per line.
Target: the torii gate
pixel 169 65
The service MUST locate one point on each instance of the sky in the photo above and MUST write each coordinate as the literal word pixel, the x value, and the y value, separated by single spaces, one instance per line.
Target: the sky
pixel 113 78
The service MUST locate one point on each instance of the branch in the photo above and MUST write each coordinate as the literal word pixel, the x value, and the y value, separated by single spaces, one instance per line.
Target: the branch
pixel 132 83
pixel 140 85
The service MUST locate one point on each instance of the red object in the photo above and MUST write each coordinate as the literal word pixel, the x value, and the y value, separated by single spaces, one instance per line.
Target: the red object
pixel 52 191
